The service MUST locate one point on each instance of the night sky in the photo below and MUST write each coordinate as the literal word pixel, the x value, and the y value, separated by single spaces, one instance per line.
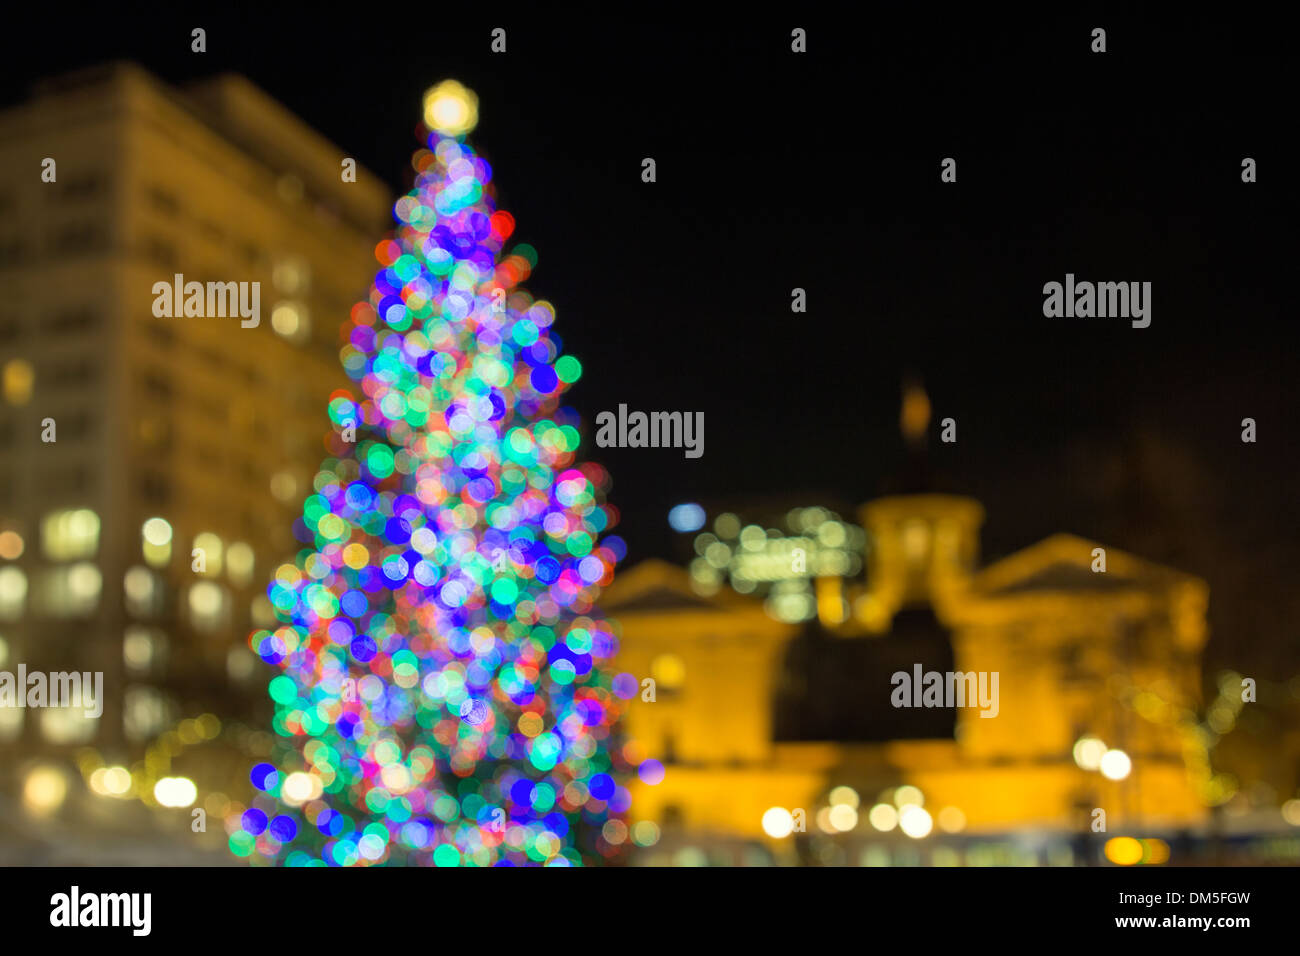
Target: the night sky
pixel 821 171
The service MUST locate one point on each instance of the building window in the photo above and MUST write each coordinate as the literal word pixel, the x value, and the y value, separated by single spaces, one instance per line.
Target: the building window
pixel 80 188
pixel 71 725
pixel 162 200
pixel 13 593
pixel 291 275
pixel 161 251
pixel 11 546
pixel 11 723
pixel 155 489
pixel 211 549
pixel 72 321
pixel 669 672
pixel 19 378
pixel 76 427
pixel 142 649
pixel 143 591
pixel 291 321
pixel 156 386
pixel 144 713
pixel 157 543
pixel 209 606
pixel 71 591
pixel 71 534
pixel 72 373
pixel 241 665
pixel 80 237
pixel 239 564
pixel 70 480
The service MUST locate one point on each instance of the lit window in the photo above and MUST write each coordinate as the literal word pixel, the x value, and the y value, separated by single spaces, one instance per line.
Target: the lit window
pixel 18 379
pixel 71 591
pixel 291 275
pixel 157 545
pixel 262 611
pixel 283 486
pixel 669 671
pixel 240 664
pixel 144 713
pixel 916 539
pixel 208 604
pixel 211 547
pixel 13 592
pixel 143 592
pixel 11 545
pixel 69 725
pixel 290 320
pixel 239 563
pixel 11 722
pixel 68 535
pixel 141 647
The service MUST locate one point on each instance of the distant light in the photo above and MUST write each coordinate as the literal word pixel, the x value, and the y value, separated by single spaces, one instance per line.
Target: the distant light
pixel 1154 852
pixel 287 320
pixel 1088 752
pixel 778 822
pixel 1115 765
pixel 11 545
pixel 450 108
pixel 687 517
pixel 44 790
pixel 883 817
pixel 175 791
pixel 915 822
pixel 845 795
pixel 18 377
pixel 239 562
pixel 843 817
pixel 952 820
pixel 727 525
pixel 1291 812
pixel 300 787
pixel 111 781
pixel 157 532
pixel 908 797
pixel 1124 851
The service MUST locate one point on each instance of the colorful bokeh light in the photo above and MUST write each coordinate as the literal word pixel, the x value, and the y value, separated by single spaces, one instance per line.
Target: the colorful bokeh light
pixel 444 694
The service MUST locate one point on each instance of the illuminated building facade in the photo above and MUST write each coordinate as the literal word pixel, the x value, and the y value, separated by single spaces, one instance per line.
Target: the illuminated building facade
pixel 756 717
pixel 139 542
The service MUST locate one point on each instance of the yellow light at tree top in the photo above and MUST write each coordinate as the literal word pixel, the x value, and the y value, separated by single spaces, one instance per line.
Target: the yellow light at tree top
pixel 450 108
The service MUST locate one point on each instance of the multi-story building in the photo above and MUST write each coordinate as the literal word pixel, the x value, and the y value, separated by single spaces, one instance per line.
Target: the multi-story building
pixel 151 467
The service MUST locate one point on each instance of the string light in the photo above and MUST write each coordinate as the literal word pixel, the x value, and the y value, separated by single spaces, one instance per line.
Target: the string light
pixel 443 686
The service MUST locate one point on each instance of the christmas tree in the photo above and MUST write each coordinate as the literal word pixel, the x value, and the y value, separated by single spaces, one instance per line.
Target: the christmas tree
pixel 445 696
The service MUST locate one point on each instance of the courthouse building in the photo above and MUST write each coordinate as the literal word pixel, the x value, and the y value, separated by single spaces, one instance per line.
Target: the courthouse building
pixel 764 708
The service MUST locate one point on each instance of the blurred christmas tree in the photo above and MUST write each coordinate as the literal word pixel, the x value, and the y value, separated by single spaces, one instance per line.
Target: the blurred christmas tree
pixel 445 695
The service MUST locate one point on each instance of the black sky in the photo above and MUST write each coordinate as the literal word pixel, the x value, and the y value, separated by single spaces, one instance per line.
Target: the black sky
pixel 822 171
